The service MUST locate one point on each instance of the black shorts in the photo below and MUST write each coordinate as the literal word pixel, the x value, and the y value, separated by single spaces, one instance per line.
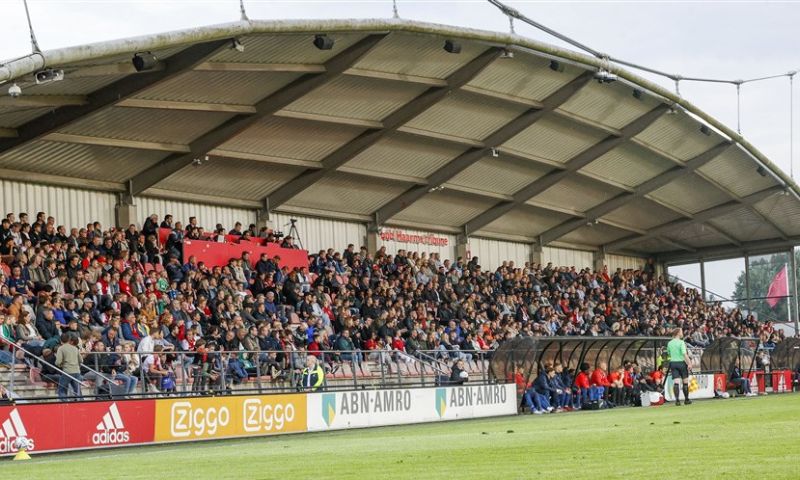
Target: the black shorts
pixel 678 370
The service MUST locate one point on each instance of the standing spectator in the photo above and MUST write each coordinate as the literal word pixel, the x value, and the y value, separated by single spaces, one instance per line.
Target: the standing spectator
pixel 68 359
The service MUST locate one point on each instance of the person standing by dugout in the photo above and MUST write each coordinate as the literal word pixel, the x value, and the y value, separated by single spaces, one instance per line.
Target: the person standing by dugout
pixel 678 366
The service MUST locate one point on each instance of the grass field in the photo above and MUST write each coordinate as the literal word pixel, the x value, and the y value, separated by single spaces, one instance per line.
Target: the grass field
pixel 741 438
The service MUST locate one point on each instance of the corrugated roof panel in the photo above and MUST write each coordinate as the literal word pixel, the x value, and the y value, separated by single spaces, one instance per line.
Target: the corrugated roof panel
pixel 730 168
pixel 347 194
pixel 445 208
pixel 80 161
pixel 629 165
pixel 678 135
pixel 404 154
pixel 242 179
pixel 498 175
pixel 576 194
pixel 745 225
pixel 697 235
pixel 428 60
pixel 237 88
pixel 358 97
pixel 14 117
pixel 642 214
pixel 466 115
pixel 285 48
pixel 651 245
pixel 596 234
pixel 526 221
pixel 525 76
pixel 288 138
pixel 784 210
pixel 690 194
pixel 147 124
pixel 609 104
pixel 553 139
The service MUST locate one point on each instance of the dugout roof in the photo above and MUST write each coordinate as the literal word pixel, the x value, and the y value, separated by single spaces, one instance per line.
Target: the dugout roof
pixel 389 128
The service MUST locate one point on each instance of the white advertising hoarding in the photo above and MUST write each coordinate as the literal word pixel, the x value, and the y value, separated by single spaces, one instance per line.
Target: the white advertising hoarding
pixel 373 408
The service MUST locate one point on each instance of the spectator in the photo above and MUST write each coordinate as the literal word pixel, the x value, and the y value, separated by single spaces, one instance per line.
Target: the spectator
pixel 736 379
pixel 313 376
pixel 68 359
pixel 459 375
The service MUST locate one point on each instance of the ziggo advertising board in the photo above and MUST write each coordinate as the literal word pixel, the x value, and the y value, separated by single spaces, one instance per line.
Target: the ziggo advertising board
pixel 83 425
pixel 222 417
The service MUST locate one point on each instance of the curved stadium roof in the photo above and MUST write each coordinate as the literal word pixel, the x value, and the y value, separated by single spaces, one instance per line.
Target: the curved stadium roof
pixel 389 128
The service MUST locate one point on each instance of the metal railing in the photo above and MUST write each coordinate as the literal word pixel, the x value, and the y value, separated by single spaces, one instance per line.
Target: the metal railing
pixel 254 372
pixel 30 355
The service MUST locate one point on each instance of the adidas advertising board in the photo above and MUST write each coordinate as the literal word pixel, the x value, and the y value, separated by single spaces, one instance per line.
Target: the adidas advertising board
pixel 111 430
pixel 77 425
pixel 12 429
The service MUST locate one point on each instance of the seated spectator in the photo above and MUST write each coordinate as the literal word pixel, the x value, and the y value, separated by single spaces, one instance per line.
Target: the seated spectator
pixel 736 379
pixel 458 374
pixel 599 380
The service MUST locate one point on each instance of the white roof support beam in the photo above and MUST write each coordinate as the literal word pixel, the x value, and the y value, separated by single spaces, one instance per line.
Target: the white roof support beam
pixel 187 106
pixel 571 168
pixel 264 108
pixel 259 67
pixel 398 77
pixel 500 136
pixel 392 123
pixel 115 142
pixel 37 101
pixel 8 132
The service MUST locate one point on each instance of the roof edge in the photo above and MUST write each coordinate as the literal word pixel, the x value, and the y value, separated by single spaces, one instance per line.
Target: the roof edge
pixel 28 64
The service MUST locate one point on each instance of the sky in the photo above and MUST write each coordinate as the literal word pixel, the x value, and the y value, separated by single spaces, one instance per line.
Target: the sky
pixel 717 39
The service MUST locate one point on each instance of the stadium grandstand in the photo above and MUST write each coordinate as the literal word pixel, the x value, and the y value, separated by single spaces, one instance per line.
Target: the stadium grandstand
pixel 261 208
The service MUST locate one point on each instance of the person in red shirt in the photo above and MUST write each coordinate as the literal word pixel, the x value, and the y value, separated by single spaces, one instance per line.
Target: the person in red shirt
pixel 616 388
pixel 313 348
pixel 586 392
pixel 627 383
pixel 656 378
pixel 600 381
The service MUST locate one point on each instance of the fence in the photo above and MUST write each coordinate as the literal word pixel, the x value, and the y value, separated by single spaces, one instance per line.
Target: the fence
pixel 118 374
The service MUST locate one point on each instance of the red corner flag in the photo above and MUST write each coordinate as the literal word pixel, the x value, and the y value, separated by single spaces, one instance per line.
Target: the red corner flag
pixel 779 288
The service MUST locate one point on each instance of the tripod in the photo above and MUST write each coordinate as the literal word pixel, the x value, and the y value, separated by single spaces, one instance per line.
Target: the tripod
pixel 293 232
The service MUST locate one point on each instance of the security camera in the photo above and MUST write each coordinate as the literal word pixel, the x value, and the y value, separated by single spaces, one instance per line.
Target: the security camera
pixel 14 91
pixel 604 76
pixel 49 75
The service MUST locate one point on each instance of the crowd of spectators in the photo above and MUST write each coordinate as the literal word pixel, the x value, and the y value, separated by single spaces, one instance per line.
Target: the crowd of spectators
pixel 122 290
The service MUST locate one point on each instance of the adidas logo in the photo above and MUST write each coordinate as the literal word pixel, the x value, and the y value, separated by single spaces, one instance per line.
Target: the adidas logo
pixel 13 428
pixel 111 430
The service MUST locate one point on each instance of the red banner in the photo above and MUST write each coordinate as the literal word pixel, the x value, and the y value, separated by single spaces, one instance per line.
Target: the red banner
pixel 781 381
pixel 217 254
pixel 75 425
pixel 720 382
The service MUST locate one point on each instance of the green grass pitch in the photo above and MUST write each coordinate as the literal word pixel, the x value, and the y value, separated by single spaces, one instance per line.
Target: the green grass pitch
pixel 739 438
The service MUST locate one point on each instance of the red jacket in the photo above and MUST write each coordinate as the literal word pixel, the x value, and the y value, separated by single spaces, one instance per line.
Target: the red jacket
pixel 582 380
pixel 599 378
pixel 627 379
